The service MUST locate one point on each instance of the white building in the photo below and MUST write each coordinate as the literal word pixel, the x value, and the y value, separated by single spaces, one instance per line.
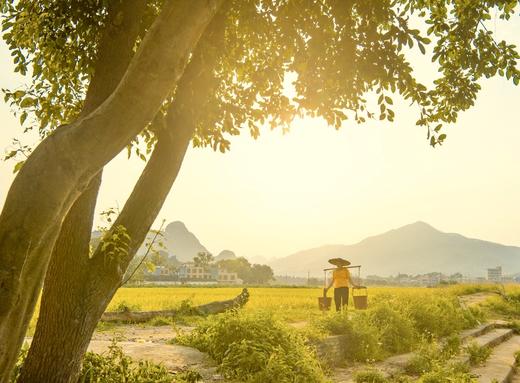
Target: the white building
pixel 495 274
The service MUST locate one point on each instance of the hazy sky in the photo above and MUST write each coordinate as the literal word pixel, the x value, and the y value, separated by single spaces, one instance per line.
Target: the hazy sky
pixel 316 185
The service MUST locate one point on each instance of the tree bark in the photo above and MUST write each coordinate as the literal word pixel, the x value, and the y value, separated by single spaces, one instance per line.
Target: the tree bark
pixel 61 167
pixel 72 247
pixel 78 288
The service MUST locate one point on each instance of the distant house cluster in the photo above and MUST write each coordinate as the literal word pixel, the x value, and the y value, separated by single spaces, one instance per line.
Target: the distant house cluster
pixel 194 274
pixel 429 279
pixel 494 275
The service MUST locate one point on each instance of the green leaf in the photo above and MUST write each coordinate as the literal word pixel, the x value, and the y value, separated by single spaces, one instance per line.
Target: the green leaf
pixel 18 166
pixel 23 117
pixel 27 102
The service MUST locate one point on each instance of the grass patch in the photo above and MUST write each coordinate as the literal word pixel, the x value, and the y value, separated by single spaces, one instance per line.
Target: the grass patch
pixel 256 348
pixel 477 354
pixel 394 325
pixel 114 366
pixel 369 376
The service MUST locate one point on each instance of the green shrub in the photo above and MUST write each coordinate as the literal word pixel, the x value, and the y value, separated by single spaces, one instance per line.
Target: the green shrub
pixel 477 354
pixel 425 358
pixel 124 306
pixel 451 346
pixel 160 321
pixel 256 348
pixel 370 376
pixel 115 367
pixel 509 307
pixel 362 338
pixel 363 342
pixel 474 316
pixel 437 316
pixel 188 376
pixel 447 374
pixel 335 323
pixel 396 330
pixel 431 364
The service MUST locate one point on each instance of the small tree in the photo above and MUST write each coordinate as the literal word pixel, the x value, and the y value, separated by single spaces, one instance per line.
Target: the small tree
pixel 239 265
pixel 203 259
pixel 261 274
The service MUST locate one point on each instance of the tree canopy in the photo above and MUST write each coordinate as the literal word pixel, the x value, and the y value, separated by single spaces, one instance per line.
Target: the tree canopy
pixel 337 51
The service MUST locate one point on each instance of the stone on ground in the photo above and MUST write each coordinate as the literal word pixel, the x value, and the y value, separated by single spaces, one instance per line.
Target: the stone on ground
pixel 500 365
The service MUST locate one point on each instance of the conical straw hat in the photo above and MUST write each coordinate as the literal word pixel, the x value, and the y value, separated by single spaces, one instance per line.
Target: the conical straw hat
pixel 339 262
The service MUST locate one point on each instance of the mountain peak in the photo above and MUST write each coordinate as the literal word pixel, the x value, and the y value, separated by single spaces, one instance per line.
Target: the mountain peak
pixel 181 242
pixel 176 225
pixel 225 254
pixel 417 226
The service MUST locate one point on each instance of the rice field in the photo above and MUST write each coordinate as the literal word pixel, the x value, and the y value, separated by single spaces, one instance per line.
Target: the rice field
pixel 290 304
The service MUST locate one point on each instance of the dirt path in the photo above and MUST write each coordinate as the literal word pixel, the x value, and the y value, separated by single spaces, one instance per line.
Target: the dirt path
pixel 133 333
pixel 149 343
pixel 174 357
pixel 475 299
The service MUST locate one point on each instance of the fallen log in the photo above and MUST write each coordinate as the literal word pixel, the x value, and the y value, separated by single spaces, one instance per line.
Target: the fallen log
pixel 205 309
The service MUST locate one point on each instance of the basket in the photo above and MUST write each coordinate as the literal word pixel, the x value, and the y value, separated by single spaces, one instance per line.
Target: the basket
pixel 360 297
pixel 324 302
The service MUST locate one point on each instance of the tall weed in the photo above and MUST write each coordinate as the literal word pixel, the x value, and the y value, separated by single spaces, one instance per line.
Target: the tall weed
pixel 256 348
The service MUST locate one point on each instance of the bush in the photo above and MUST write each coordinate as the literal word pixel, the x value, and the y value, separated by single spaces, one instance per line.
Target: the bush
pixel 362 338
pixel 477 354
pixel 363 342
pixel 370 376
pixel 397 333
pixel 335 323
pixel 424 360
pixel 256 348
pixel 431 364
pixel 438 316
pixel 451 346
pixel 160 321
pixel 449 373
pixel 509 307
pixel 124 306
pixel 115 367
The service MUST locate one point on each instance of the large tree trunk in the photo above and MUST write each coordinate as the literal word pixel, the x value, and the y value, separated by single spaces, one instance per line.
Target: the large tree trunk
pixel 78 288
pixel 72 247
pixel 61 167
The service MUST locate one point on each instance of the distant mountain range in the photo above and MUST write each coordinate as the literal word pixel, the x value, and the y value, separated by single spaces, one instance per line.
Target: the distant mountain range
pixel 184 245
pixel 417 248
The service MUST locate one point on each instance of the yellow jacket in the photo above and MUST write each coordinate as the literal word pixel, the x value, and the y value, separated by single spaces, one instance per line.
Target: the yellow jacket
pixel 341 277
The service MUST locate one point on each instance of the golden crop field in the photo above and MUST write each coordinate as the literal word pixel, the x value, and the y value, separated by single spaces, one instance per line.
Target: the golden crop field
pixel 292 304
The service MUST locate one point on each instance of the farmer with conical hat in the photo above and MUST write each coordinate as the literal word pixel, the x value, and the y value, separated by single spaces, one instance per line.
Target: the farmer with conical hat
pixel 341 280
